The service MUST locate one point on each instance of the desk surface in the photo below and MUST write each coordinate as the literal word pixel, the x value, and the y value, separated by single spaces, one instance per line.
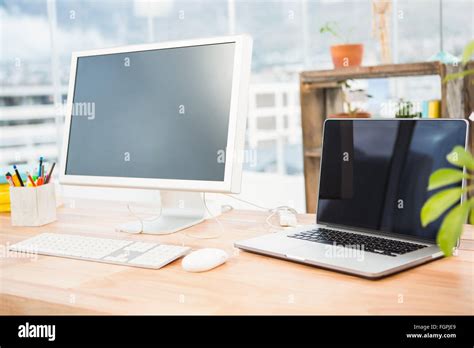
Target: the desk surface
pixel 246 284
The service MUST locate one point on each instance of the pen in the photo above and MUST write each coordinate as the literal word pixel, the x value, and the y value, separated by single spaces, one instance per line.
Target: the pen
pixel 16 182
pixel 14 179
pixel 39 182
pixel 40 165
pixel 42 171
pixel 31 179
pixel 18 175
pixel 48 177
pixel 9 179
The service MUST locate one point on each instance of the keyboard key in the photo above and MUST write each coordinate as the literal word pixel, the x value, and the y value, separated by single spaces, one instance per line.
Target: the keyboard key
pixel 379 245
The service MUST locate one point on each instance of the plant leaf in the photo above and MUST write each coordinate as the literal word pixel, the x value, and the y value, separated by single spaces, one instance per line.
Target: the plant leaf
pixel 445 176
pixel 458 75
pixel 461 158
pixel 330 27
pixel 451 228
pixel 438 204
pixel 468 52
pixel 471 214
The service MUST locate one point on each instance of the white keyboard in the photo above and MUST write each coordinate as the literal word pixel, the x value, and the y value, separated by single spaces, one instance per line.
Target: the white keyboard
pixel 117 251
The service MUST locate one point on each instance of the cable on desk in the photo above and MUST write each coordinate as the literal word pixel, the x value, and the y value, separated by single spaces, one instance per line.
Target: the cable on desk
pixel 272 211
pixel 221 227
pixel 140 219
pixel 244 201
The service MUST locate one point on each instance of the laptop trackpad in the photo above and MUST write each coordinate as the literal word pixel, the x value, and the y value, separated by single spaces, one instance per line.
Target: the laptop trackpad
pixel 328 253
pixel 311 251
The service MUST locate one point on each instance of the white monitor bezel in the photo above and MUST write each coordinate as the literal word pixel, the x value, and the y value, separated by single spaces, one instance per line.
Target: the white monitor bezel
pixel 236 131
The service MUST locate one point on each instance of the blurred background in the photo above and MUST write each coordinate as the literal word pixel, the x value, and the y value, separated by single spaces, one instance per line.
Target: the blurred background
pixel 38 36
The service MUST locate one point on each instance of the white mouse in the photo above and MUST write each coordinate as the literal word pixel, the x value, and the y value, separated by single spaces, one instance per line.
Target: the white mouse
pixel 204 259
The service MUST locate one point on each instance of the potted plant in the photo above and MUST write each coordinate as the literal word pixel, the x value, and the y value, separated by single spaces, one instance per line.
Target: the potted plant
pixel 349 97
pixel 451 227
pixel 343 55
pixel 405 110
pixel 444 200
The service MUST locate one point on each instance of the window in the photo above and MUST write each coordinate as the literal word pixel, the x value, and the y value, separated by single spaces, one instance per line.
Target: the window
pixel 37 38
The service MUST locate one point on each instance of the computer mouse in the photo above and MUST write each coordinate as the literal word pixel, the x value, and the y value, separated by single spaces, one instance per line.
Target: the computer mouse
pixel 204 259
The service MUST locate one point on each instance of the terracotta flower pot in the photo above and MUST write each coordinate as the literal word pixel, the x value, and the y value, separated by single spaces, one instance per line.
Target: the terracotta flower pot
pixel 347 115
pixel 344 56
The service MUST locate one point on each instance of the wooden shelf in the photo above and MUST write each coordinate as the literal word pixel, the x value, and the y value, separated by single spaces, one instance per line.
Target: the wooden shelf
pixel 371 72
pixel 321 95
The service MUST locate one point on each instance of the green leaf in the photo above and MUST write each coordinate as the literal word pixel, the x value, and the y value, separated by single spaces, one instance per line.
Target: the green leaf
pixel 471 214
pixel 445 176
pixel 461 158
pixel 458 75
pixel 438 204
pixel 451 228
pixel 332 28
pixel 468 52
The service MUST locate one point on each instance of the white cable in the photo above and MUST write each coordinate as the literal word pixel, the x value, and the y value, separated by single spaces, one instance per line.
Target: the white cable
pixel 221 227
pixel 226 208
pixel 250 203
pixel 140 219
pixel 272 211
pixel 269 222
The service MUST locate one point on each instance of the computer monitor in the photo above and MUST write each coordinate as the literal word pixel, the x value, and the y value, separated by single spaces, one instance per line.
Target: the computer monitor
pixel 168 116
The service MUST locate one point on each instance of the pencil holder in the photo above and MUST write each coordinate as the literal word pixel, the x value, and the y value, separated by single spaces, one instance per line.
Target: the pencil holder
pixel 33 206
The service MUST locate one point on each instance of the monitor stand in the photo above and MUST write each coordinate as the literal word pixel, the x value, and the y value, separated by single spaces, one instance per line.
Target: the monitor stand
pixel 179 210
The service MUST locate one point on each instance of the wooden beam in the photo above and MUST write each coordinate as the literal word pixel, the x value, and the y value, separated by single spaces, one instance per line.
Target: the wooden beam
pixel 369 72
pixel 444 92
pixel 334 101
pixel 313 152
pixel 312 118
pixel 468 97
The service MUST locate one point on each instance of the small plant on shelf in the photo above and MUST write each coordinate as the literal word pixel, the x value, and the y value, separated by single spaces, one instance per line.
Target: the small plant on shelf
pixel 345 54
pixel 449 199
pixel 405 110
pixel 333 29
pixel 349 96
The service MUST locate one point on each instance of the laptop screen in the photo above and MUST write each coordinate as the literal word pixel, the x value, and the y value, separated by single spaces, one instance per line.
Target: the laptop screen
pixel 374 173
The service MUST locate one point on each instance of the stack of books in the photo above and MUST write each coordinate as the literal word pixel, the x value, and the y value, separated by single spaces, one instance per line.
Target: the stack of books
pixel 431 108
pixel 4 196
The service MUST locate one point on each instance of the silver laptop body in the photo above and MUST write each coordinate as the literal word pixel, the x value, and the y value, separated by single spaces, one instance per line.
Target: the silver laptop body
pixel 304 245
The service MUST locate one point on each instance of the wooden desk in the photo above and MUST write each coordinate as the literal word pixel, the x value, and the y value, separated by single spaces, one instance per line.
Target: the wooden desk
pixel 246 284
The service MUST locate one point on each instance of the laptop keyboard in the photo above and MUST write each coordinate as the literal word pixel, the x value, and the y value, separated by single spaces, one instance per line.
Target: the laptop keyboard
pixel 376 245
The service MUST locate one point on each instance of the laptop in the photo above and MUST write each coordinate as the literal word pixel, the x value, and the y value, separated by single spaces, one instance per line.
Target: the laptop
pixel 373 183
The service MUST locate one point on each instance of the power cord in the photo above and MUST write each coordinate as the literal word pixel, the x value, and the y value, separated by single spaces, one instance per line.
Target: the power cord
pixel 226 208
pixel 284 209
pixel 247 202
pixel 221 227
pixel 141 220
pixel 280 211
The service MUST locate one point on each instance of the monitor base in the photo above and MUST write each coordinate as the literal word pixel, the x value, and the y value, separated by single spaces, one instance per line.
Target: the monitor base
pixel 179 210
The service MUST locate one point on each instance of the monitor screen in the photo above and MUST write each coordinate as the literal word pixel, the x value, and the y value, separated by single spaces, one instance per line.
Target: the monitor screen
pixel 161 114
pixel 374 174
